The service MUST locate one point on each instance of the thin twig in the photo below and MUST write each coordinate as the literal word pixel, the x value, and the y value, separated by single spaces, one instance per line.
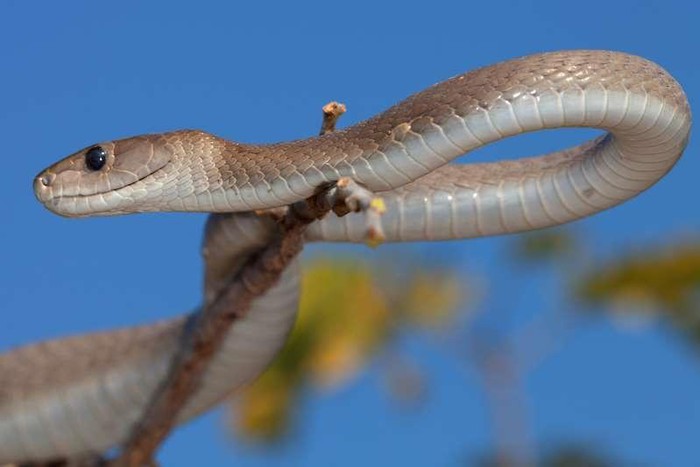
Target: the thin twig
pixel 331 113
pixel 346 196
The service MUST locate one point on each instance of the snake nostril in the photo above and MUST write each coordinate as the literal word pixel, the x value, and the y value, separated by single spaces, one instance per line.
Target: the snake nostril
pixel 46 179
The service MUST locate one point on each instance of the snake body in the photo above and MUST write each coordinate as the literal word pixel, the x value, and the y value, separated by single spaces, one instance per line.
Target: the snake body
pixel 80 395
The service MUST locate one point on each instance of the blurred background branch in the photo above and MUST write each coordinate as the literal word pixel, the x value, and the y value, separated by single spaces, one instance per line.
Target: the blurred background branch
pixel 354 310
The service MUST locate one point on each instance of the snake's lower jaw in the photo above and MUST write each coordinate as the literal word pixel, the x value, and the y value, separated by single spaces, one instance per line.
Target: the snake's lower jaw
pixel 67 207
pixel 63 206
pixel 55 206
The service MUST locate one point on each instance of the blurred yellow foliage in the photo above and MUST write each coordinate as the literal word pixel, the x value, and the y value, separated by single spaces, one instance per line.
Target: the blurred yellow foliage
pixel 431 299
pixel 345 317
pixel 665 279
pixel 669 277
pixel 351 309
pixel 263 413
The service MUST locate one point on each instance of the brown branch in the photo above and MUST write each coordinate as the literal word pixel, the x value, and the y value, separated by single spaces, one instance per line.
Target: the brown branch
pixel 209 328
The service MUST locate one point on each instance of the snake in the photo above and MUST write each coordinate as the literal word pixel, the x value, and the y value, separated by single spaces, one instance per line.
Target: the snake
pixel 81 395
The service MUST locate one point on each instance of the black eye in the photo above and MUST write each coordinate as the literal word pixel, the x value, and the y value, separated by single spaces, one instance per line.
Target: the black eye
pixel 95 158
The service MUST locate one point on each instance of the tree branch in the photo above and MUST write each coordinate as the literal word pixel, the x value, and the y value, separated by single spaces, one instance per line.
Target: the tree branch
pixel 209 328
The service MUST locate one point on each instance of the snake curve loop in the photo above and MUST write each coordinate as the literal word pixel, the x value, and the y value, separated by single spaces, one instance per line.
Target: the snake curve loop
pixel 81 395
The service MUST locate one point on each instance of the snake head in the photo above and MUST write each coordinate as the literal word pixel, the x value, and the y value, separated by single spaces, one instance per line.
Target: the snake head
pixel 103 179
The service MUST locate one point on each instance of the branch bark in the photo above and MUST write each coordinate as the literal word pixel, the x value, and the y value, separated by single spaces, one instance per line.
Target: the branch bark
pixel 210 326
pixel 208 330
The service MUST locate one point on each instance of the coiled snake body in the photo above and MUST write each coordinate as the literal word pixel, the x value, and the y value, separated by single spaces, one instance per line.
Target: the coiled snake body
pixel 82 395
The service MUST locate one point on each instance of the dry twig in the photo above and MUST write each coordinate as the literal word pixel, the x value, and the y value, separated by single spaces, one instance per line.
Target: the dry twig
pixel 331 113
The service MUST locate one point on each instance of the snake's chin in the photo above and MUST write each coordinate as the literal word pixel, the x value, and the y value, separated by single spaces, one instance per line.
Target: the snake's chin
pixel 68 207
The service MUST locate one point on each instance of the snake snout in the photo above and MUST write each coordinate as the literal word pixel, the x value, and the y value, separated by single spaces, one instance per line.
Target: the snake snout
pixel 43 185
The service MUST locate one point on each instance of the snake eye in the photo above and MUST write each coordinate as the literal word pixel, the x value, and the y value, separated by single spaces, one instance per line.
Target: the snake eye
pixel 95 158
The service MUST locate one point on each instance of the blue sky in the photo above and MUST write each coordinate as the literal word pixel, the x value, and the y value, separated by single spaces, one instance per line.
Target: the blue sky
pixel 74 73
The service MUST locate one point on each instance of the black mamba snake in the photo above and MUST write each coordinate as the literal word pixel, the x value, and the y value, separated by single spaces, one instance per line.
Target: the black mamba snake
pixel 81 395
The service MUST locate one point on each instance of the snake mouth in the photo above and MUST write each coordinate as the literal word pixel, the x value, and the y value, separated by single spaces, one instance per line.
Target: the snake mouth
pixel 98 203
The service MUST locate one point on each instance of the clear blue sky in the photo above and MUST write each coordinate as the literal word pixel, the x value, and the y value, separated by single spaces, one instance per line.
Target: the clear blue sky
pixel 73 73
